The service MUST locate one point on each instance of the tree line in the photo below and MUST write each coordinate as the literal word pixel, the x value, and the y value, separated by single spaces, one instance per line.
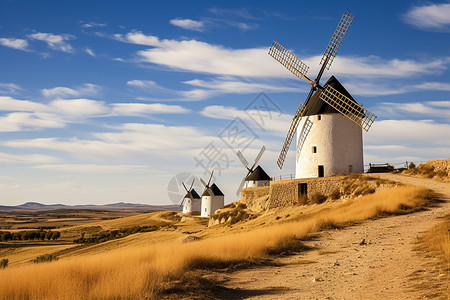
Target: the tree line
pixel 107 235
pixel 29 235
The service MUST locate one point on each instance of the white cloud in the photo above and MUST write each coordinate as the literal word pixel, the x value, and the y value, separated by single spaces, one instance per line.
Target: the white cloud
pixel 79 107
pixel 9 88
pixel 433 86
pixel 30 115
pixel 27 158
pixel 87 89
pixel 272 121
pixel 11 104
pixel 202 57
pixel 206 89
pixel 20 121
pixel 429 17
pixel 19 44
pixel 426 109
pixel 188 24
pixel 54 41
pixel 136 109
pixel 89 51
pixel 91 168
pixel 134 141
pixel 93 24
pixel 420 133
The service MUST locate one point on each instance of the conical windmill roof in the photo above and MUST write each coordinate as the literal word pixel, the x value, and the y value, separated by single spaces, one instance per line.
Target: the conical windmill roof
pixel 316 106
pixel 215 189
pixel 257 174
pixel 193 193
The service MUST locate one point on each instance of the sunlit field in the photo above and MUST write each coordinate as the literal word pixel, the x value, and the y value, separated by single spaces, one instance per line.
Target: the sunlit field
pixel 136 272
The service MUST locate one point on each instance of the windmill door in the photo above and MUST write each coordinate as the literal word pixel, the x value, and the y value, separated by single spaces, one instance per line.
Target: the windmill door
pixel 321 172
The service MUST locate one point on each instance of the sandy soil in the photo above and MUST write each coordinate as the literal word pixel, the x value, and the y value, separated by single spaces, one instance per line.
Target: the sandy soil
pixel 373 260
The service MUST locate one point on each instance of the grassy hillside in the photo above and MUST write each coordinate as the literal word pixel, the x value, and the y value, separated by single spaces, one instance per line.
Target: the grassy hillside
pixel 145 265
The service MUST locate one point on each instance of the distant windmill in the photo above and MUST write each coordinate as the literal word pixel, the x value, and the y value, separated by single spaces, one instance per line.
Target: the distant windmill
pixel 331 143
pixel 212 198
pixel 255 177
pixel 191 201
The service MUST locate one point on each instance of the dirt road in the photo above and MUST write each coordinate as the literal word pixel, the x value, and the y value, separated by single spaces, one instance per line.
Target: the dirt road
pixel 373 260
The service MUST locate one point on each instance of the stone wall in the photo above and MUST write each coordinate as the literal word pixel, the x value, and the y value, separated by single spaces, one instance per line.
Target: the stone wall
pixel 287 193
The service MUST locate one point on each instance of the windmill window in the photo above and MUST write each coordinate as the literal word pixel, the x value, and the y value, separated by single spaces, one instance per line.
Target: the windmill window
pixel 319 117
pixel 314 149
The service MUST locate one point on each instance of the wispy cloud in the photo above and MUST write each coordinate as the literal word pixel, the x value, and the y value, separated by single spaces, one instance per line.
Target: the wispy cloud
pixel 205 89
pixel 201 57
pixel 87 89
pixel 28 115
pixel 188 24
pixel 91 168
pixel 92 25
pixel 19 44
pixel 54 41
pixel 435 17
pixel 9 88
pixel 427 109
pixel 27 158
pixel 89 51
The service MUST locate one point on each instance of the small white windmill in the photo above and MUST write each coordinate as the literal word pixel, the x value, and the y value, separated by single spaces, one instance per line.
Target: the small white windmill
pixel 255 176
pixel 212 198
pixel 329 122
pixel 191 201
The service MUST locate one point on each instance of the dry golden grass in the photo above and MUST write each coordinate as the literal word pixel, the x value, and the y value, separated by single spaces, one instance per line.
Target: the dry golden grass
pixel 144 272
pixel 435 243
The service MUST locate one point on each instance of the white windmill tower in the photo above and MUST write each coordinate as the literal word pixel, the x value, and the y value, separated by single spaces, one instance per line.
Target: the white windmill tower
pixel 212 198
pixel 329 138
pixel 191 201
pixel 255 176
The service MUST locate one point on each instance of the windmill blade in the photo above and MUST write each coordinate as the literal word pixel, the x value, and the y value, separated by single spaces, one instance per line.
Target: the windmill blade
pixel 203 182
pixel 209 181
pixel 210 192
pixel 300 112
pixel 304 133
pixel 336 39
pixel 242 158
pixel 289 60
pixel 347 107
pixel 258 157
pixel 241 186
pixel 185 187
pixel 192 184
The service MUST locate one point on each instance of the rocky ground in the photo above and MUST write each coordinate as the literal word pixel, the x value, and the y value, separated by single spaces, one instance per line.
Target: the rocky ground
pixel 373 260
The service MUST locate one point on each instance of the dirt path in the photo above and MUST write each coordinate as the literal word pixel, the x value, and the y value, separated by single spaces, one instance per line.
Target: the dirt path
pixel 341 267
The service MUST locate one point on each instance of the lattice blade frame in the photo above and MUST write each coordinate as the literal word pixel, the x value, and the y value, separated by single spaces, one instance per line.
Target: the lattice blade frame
pixel 300 112
pixel 289 60
pixel 303 134
pixel 241 186
pixel 258 157
pixel 347 107
pixel 242 158
pixel 336 39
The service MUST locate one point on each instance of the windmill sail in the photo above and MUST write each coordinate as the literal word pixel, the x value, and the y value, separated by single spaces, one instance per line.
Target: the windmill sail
pixel 304 133
pixel 336 39
pixel 290 135
pixel 289 60
pixel 347 107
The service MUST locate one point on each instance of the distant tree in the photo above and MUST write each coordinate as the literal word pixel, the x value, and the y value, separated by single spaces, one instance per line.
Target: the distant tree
pixel 4 263
pixel 411 165
pixel 48 235
pixel 56 235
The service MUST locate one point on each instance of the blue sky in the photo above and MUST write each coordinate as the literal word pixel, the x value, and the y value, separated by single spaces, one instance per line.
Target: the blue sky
pixel 107 101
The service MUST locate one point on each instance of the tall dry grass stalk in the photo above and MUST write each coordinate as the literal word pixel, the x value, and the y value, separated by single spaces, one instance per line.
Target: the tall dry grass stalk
pixel 143 272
